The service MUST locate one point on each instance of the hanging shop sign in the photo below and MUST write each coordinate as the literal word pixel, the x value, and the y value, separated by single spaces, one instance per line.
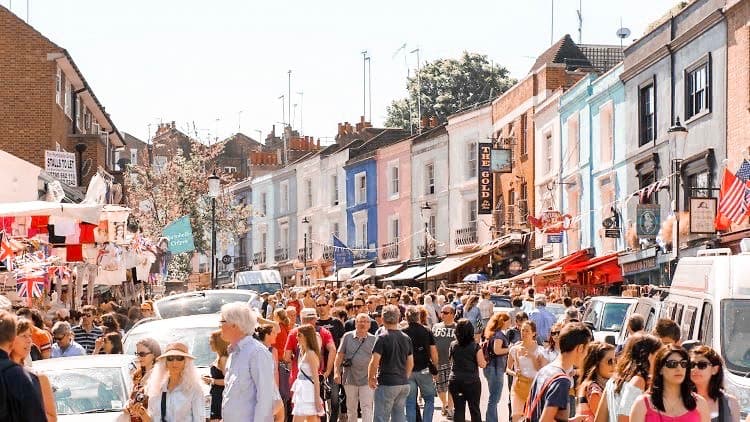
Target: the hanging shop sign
pixel 62 166
pixel 551 222
pixel 342 256
pixel 502 160
pixel 702 215
pixel 485 185
pixel 555 238
pixel 180 235
pixel 612 225
pixel 648 218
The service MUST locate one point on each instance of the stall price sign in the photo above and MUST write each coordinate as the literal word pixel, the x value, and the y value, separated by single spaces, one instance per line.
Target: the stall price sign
pixel 62 166
pixel 485 185
pixel 702 215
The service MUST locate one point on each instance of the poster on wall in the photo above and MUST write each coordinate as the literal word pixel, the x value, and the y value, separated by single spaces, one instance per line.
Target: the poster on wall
pixel 62 166
pixel 502 160
pixel 485 178
pixel 648 220
pixel 702 215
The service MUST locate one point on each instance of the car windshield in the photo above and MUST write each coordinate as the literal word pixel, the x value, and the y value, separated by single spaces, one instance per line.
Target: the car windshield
pixel 198 303
pixel 735 348
pixel 196 339
pixel 260 281
pixel 614 316
pixel 87 390
pixel 500 302
pixel 261 287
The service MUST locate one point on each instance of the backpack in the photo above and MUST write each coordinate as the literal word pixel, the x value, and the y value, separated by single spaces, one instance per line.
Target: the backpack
pixel 10 409
pixel 488 351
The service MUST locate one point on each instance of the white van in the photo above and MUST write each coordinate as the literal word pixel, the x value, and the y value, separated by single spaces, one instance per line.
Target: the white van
pixel 710 300
pixel 260 281
pixel 605 315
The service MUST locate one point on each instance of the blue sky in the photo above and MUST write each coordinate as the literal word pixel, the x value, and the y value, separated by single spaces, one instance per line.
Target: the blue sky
pixel 196 62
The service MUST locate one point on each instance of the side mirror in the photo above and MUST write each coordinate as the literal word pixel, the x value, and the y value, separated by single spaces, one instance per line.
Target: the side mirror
pixel 610 340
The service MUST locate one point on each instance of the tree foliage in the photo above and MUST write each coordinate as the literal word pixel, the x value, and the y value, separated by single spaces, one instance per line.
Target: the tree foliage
pixel 158 195
pixel 447 86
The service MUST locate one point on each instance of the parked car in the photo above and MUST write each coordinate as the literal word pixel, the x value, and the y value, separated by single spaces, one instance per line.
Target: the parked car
pixel 89 388
pixel 501 303
pixel 605 315
pixel 202 302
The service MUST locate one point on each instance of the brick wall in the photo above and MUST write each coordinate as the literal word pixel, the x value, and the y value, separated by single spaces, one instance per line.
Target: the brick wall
pixel 738 80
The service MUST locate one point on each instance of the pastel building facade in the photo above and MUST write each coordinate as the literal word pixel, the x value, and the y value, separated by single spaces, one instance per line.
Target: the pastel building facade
pixel 263 221
pixel 393 167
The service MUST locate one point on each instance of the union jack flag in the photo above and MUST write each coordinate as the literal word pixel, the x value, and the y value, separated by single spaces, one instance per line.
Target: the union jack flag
pixel 6 253
pixel 33 285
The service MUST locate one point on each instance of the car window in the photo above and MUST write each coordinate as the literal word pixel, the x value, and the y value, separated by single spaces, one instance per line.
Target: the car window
pixel 198 303
pixel 614 316
pixel 706 333
pixel 500 302
pixel 85 390
pixel 592 315
pixel 196 340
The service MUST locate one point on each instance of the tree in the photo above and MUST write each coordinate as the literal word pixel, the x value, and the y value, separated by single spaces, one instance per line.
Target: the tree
pixel 158 195
pixel 447 86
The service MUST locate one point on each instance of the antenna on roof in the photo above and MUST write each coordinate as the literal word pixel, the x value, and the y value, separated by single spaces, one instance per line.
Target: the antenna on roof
pixel 579 12
pixel 552 25
pixel 622 33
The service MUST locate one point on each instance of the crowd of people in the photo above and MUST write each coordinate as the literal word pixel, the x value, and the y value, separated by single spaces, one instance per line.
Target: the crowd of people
pixel 379 355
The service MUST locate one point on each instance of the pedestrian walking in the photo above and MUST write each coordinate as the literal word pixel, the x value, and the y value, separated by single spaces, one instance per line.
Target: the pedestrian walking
pixel 86 332
pixel 249 368
pixel 390 368
pixel 464 384
pixel 64 345
pixel 543 318
pixel 21 398
pixel 486 307
pixel 308 405
pixel 474 315
pixel 146 351
pixel 497 347
pixel 671 396
pixel 598 368
pixel 707 374
pixel 444 333
pixel 266 334
pixel 109 344
pixel 215 379
pixel 525 359
pixel 425 358
pixel 352 360
pixel 336 328
pixel 20 355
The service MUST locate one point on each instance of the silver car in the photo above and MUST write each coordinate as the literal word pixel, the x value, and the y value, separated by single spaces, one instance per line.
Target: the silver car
pixel 202 302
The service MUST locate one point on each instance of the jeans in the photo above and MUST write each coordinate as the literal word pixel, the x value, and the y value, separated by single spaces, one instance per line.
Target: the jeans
pixel 495 376
pixel 359 395
pixel 390 401
pixel 333 402
pixel 463 393
pixel 423 381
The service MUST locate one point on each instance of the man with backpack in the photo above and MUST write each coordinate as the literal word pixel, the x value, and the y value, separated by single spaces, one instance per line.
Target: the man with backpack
pixel 20 394
pixel 548 399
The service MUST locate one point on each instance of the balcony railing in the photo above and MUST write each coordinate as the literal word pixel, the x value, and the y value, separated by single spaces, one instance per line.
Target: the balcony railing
pixel 259 258
pixel 360 252
pixel 328 252
pixel 389 250
pixel 466 236
pixel 301 254
pixel 281 254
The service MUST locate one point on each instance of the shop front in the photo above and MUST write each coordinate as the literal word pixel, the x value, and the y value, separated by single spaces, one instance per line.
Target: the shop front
pixel 646 267
pixel 601 275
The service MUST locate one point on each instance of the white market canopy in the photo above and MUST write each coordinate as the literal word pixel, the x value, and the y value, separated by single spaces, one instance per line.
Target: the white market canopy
pixel 88 213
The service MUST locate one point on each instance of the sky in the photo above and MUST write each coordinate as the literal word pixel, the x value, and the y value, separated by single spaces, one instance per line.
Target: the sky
pixel 217 66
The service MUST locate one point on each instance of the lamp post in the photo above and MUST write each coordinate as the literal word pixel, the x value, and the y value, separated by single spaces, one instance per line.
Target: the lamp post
pixel 214 188
pixel 424 208
pixel 677 135
pixel 305 222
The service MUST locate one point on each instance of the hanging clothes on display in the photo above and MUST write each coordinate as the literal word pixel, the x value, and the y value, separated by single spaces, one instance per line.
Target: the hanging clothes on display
pixel 111 269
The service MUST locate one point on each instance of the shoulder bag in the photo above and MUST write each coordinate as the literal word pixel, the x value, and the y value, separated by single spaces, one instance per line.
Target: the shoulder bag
pixel 531 405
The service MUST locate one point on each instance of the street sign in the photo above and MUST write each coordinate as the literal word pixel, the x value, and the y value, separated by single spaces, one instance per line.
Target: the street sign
pixel 226 259
pixel 555 238
pixel 612 233
pixel 486 178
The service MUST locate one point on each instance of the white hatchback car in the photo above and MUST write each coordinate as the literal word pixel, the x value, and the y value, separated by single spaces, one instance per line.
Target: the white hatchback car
pixel 89 388
pixel 606 315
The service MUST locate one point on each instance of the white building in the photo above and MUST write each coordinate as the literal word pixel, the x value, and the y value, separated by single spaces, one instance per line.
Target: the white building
pixel 309 196
pixel 331 218
pixel 263 237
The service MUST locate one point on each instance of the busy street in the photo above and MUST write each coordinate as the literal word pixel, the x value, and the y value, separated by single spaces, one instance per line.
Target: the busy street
pixel 296 211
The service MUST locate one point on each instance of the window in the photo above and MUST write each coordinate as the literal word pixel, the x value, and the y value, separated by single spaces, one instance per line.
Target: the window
pixel 698 185
pixel 689 323
pixel 606 133
pixel 78 110
pixel 334 189
pixel 284 196
pixel 134 156
pixel 394 185
pixel 335 229
pixel 429 177
pixel 284 236
pixel 68 98
pixel 309 192
pixel 471 162
pixel 548 149
pixel 361 188
pixel 263 242
pixel 647 113
pixel 697 89
pixel 471 210
pixel 394 229
pixel 523 201
pixel 573 234
pixel 644 180
pixel 510 219
pixel 571 158
pixel 705 335
pixel 361 234
pixel 264 203
pixel 522 141
pixel 58 87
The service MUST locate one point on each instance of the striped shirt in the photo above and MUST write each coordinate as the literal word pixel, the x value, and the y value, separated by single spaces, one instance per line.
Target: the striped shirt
pixel 87 338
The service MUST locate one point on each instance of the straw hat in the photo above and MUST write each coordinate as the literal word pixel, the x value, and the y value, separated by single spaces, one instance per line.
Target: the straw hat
pixel 176 349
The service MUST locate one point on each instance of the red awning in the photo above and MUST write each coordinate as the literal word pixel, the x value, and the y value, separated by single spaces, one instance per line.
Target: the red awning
pixel 559 264
pixel 604 269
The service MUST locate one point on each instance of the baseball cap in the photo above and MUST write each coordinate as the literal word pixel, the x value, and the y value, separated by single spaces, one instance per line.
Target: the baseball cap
pixel 308 313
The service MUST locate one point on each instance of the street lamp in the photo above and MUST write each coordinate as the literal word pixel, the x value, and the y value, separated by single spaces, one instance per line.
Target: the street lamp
pixel 305 222
pixel 423 209
pixel 214 188
pixel 677 135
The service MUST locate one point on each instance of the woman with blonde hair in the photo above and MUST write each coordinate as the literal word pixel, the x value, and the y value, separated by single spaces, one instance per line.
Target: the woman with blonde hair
pixel 216 377
pixel 308 406
pixel 174 389
pixel 20 354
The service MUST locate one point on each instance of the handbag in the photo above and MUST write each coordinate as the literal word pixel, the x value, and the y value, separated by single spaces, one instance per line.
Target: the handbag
pixel 522 387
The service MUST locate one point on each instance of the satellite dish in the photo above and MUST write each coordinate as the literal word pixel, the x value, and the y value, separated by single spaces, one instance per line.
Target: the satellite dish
pixel 623 33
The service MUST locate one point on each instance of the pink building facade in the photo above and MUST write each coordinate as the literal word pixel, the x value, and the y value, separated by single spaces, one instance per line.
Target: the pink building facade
pixel 394 202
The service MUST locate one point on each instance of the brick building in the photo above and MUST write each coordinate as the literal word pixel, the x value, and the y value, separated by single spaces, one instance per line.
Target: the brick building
pixel 46 104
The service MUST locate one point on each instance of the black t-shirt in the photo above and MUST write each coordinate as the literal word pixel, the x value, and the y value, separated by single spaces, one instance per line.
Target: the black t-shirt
pixel 464 365
pixel 20 393
pixel 556 394
pixel 394 347
pixel 350 325
pixel 421 340
pixel 335 327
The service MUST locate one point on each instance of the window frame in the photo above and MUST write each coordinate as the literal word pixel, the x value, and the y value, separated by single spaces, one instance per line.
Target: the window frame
pixel 360 188
pixel 689 106
pixel 308 193
pixel 644 137
pixel 394 179
pixel 59 87
pixel 335 190
pixel 472 160
pixel 429 178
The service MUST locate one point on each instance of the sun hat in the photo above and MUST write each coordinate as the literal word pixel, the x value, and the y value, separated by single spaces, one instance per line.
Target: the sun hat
pixel 308 313
pixel 176 349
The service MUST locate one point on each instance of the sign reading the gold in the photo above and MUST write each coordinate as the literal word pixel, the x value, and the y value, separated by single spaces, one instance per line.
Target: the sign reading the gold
pixel 484 168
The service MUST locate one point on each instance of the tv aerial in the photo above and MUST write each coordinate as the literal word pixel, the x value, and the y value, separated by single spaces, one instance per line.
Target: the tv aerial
pixel 622 33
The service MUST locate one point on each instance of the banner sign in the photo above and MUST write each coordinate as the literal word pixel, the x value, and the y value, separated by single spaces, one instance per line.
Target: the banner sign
pixel 648 218
pixel 486 181
pixel 62 166
pixel 502 160
pixel 342 256
pixel 702 215
pixel 555 238
pixel 180 235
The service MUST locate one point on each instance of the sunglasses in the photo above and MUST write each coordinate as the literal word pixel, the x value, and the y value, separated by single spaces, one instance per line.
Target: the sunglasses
pixel 175 358
pixel 61 338
pixel 320 305
pixel 672 364
pixel 142 354
pixel 700 365
pixel 88 314
pixel 554 333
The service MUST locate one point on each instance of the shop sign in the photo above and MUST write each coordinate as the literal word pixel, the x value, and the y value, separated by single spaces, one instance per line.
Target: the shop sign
pixel 554 238
pixel 485 184
pixel 649 220
pixel 612 233
pixel 502 160
pixel 639 266
pixel 180 235
pixel 702 215
pixel 62 166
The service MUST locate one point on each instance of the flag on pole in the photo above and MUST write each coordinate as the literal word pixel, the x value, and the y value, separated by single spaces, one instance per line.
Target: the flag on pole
pixel 744 174
pixel 6 253
pixel 732 201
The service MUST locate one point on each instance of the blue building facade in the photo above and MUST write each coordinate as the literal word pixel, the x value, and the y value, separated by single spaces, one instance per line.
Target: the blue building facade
pixel 361 210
